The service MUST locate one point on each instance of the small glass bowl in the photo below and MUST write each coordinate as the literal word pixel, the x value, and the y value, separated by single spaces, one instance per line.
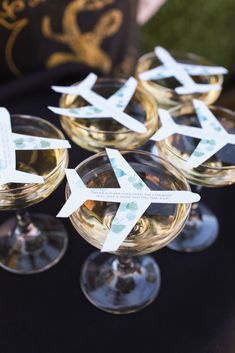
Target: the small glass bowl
pixel 160 223
pixel 96 134
pixel 217 171
pixel 164 90
pixel 32 243
pixel 49 164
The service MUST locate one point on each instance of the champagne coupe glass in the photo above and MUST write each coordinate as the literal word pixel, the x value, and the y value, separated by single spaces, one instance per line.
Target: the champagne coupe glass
pixel 202 227
pixel 164 89
pixel 125 281
pixel 33 243
pixel 95 134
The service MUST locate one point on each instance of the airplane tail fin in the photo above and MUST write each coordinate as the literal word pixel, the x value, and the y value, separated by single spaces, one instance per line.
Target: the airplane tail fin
pixel 197 87
pixel 79 194
pixel 87 83
pixel 21 177
pixel 168 126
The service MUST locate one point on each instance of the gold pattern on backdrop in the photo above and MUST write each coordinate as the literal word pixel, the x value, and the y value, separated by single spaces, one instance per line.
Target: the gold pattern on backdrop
pixel 85 47
pixel 9 12
pixel 34 3
pixel 8 19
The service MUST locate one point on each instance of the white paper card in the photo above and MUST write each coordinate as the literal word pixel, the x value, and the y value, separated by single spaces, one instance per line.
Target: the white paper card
pixel 161 72
pixel 113 107
pixel 212 134
pixel 27 142
pixel 10 142
pixel 133 195
pixel 182 73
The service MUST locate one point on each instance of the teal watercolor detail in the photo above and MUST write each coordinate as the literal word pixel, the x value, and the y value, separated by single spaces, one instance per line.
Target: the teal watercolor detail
pixel 129 213
pixel 198 154
pixel 22 142
pixel 45 143
pixel 118 171
pixel 120 93
pixel 19 143
pixel 73 110
pixel 95 110
pixel 128 210
pixel 208 146
pixel 136 183
pixel 202 117
pixel 118 228
pixel 90 110
pixel 130 206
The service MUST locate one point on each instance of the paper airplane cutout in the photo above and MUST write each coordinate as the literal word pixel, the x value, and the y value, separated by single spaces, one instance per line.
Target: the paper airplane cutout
pixel 100 107
pixel 10 142
pixel 212 134
pixel 133 195
pixel 182 72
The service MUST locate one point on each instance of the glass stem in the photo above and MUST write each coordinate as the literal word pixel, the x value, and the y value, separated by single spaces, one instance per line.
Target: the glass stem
pixel 29 236
pixel 195 209
pixel 125 264
pixel 194 219
pixel 23 220
pixel 198 189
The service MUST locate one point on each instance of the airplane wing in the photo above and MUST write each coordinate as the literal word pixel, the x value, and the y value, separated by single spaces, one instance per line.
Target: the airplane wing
pixel 127 178
pixel 157 73
pixel 168 127
pixel 7 150
pixel 124 221
pixel 27 142
pixel 8 173
pixel 204 150
pixel 101 103
pixel 201 70
pixel 16 176
pixel 121 98
pixel 207 147
pixel 113 107
pixel 207 119
pixel 79 194
pixel 162 72
pixel 87 112
pixel 128 213
pixel 76 90
pixel 172 65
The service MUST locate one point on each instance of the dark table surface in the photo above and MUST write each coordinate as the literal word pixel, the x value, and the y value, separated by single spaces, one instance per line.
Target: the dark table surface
pixel 47 312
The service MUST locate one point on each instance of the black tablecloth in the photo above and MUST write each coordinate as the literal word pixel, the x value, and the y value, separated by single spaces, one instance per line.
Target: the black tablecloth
pixel 47 312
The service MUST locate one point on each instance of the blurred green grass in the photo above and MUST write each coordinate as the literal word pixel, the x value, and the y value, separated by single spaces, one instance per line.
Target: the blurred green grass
pixel 205 27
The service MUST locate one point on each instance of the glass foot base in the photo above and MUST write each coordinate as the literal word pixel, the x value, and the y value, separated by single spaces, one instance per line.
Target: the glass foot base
pixel 198 234
pixel 41 248
pixel 117 288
